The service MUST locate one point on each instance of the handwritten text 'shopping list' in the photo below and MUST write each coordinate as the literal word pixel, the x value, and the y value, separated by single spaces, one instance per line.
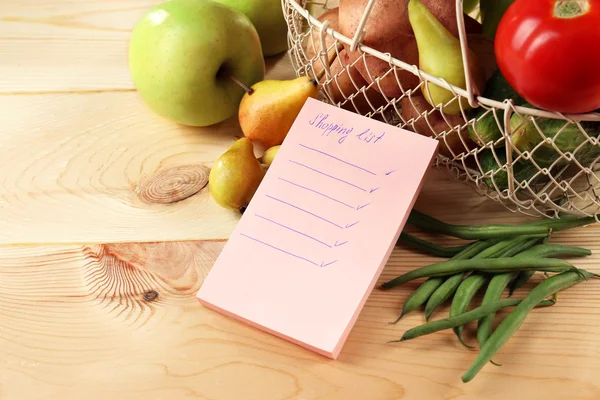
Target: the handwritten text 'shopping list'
pixel 326 128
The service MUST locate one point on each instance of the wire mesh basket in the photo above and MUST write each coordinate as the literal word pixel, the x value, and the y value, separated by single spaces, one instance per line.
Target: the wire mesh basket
pixel 532 161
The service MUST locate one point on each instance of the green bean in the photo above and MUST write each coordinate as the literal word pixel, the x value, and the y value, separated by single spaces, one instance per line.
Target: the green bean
pixel 493 265
pixel 493 293
pixel 448 287
pixel 555 250
pixel 429 247
pixel 513 321
pixel 420 296
pixel 518 279
pixel 496 287
pixel 424 292
pixel 545 250
pixel 470 286
pixel 511 247
pixel 476 248
pixel 443 293
pixel 462 298
pixel 506 245
pixel 428 223
pixel 521 247
pixel 564 223
pixel 464 318
pixel 522 278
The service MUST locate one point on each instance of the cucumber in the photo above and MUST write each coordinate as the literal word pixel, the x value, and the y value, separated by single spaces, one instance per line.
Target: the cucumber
pixel 523 170
pixel 485 129
pixel 567 138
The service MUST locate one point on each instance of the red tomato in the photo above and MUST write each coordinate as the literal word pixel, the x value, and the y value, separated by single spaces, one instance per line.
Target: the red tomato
pixel 551 60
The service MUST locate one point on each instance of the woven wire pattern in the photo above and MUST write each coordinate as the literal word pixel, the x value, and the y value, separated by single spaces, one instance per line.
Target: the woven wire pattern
pixel 556 170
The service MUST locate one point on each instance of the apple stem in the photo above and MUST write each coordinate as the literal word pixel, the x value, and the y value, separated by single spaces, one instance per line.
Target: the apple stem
pixel 248 89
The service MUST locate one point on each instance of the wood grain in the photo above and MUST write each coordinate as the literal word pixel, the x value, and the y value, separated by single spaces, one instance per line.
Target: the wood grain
pixel 76 324
pixel 70 47
pixel 79 153
pixel 102 205
pixel 67 46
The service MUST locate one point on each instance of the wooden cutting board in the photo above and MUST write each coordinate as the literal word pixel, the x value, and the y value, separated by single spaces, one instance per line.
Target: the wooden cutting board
pixel 99 265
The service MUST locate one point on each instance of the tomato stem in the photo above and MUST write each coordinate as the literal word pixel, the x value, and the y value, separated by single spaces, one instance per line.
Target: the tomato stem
pixel 571 8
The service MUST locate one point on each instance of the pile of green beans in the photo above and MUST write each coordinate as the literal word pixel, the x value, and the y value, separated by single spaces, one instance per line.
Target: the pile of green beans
pixel 497 258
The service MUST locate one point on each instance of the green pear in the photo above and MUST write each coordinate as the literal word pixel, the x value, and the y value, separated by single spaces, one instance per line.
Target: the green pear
pixel 440 56
pixel 469 6
pixel 268 19
pixel 269 156
pixel 184 58
pixel 236 175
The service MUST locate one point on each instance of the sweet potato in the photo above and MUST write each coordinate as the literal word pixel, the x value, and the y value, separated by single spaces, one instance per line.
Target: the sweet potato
pixel 347 81
pixel 388 30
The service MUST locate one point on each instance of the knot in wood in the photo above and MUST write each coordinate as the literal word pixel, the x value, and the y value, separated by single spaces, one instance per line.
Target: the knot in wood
pixel 151 295
pixel 173 184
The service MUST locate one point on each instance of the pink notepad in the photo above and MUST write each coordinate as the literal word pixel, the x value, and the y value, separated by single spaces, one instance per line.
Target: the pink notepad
pixel 309 248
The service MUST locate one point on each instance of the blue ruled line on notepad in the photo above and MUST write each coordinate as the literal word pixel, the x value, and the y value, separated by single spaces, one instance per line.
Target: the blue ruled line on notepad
pixel 316 191
pixel 337 158
pixel 327 175
pixel 322 264
pixel 303 210
pixel 281 250
pixel 294 230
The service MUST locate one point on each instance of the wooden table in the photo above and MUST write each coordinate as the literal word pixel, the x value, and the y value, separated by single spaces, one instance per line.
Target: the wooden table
pixel 88 242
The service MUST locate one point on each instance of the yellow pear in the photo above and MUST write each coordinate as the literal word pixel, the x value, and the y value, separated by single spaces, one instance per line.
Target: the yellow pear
pixel 269 155
pixel 440 55
pixel 236 175
pixel 269 108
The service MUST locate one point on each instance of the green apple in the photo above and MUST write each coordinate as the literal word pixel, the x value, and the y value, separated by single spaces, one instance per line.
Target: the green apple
pixel 267 17
pixel 183 55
